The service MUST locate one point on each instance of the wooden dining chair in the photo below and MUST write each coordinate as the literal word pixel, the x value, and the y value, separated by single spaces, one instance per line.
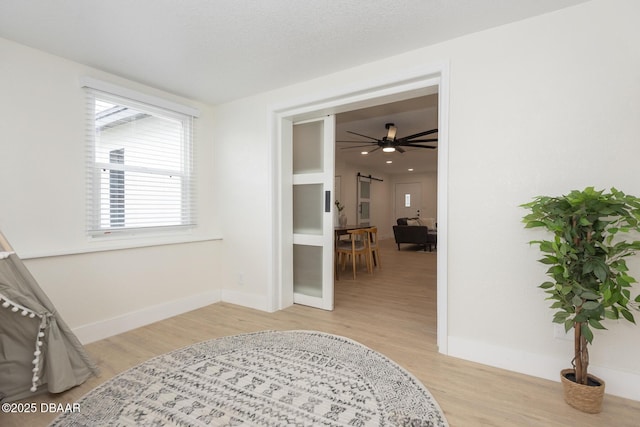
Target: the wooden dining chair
pixel 374 249
pixel 356 246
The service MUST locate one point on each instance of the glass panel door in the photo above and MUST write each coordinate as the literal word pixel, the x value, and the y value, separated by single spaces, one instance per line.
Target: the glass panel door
pixel 364 201
pixel 313 150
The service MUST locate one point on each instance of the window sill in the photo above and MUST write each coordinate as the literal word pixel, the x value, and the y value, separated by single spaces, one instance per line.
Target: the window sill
pixel 115 243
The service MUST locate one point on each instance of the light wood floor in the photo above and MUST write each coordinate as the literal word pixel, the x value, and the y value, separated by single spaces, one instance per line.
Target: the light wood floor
pixel 392 311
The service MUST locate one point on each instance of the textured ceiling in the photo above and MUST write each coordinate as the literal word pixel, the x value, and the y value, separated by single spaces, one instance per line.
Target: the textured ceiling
pixel 216 51
pixel 219 50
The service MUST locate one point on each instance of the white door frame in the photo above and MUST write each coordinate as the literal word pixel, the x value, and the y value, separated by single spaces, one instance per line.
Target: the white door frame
pixel 402 85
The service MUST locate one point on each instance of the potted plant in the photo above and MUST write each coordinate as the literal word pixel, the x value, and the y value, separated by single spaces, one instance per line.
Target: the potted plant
pixel 342 218
pixel 588 271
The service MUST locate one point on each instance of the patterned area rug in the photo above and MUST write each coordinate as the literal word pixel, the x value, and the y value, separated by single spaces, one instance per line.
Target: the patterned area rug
pixel 292 378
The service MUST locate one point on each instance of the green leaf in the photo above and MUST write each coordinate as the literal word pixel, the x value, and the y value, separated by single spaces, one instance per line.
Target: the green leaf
pixel 581 317
pixel 567 290
pixel 584 222
pixel 586 333
pixel 596 324
pixel 557 304
pixel 587 267
pixel 576 300
pixel 560 317
pixel 589 295
pixel 615 297
pixel 590 305
pixel 568 325
pixel 616 312
pixel 627 315
pixel 610 314
pixel 625 280
pixel 546 285
pixel 531 224
pixel 546 246
pixel 601 271
pixel 549 260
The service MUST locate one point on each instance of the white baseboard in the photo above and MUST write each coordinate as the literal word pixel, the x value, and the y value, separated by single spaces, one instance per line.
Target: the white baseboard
pixel 126 322
pixel 618 383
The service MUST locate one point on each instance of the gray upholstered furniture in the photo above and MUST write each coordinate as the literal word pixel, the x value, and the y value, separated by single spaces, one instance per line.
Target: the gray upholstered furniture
pixel 410 231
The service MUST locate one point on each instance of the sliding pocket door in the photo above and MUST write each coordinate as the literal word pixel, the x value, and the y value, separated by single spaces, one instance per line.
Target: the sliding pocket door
pixel 313 152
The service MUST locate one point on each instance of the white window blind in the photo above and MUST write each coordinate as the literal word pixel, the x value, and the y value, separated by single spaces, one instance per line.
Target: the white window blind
pixel 139 166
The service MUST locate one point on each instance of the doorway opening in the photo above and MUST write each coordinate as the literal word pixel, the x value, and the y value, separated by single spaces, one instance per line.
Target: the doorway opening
pixel 358 151
pixel 395 88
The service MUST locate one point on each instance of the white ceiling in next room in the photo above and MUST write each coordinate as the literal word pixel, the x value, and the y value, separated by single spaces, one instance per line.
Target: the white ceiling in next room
pixel 410 116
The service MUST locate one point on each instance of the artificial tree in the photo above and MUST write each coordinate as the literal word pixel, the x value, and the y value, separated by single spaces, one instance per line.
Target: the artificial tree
pixel 587 261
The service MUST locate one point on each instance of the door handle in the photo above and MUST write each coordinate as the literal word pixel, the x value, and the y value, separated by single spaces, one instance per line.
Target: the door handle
pixel 327 201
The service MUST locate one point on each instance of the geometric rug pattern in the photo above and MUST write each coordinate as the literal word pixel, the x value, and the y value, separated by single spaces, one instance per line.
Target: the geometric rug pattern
pixel 271 378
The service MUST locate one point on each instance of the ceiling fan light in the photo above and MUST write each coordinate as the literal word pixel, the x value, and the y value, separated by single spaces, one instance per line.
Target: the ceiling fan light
pixel 389 149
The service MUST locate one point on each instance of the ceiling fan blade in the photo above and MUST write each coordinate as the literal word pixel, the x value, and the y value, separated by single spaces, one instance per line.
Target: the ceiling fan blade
pixel 364 136
pixel 419 146
pixel 375 149
pixel 423 140
pixel 360 142
pixel 419 134
pixel 400 149
pixel 356 146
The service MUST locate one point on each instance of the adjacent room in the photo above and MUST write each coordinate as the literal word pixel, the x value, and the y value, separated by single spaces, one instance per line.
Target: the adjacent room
pixel 157 254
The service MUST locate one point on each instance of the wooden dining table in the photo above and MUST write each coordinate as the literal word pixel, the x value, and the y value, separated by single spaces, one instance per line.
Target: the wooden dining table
pixel 341 231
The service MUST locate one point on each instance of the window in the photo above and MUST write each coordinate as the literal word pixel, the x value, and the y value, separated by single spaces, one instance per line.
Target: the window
pixel 116 189
pixel 139 166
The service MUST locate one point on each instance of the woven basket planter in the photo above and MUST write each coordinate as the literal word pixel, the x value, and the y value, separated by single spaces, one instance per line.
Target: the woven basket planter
pixel 586 398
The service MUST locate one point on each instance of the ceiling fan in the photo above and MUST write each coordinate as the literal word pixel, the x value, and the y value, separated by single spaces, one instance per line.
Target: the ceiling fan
pixel 390 143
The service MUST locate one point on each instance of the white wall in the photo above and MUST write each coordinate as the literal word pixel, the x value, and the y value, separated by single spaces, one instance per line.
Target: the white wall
pixel 42 205
pixel 541 106
pixel 242 161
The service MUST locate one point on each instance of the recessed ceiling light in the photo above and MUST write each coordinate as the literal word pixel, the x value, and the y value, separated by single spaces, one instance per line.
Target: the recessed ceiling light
pixel 389 161
pixel 364 153
pixel 410 169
